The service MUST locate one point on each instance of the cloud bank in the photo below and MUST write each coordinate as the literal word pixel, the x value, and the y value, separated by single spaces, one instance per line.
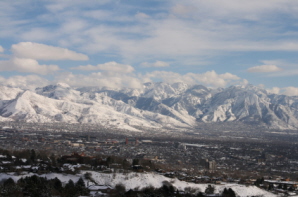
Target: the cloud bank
pixel 27 66
pixel 24 82
pixel 44 52
pixel 109 66
pixel 155 64
pixel 25 55
pixel 264 69
pixel 289 91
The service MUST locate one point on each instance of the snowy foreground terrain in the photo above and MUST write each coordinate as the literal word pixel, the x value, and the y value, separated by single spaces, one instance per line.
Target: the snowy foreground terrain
pixel 142 180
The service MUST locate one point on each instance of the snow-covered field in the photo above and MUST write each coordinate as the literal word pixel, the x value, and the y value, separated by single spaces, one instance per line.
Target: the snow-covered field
pixel 142 180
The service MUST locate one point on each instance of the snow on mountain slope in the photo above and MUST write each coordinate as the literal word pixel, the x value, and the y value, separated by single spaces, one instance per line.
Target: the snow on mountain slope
pixel 247 104
pixel 32 107
pixel 59 91
pixel 160 91
pixel 7 93
pixel 163 109
pixel 102 99
pixel 156 105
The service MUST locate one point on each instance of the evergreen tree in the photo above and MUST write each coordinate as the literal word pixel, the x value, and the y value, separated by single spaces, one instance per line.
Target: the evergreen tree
pixel 69 190
pixel 270 186
pixel 56 187
pixel 10 188
pixel 225 193
pixel 53 159
pixel 228 193
pixel 9 182
pixel 35 186
pixel 119 190
pixel 110 160
pixel 200 194
pixel 33 155
pixel 285 187
pixel 231 192
pixel 81 187
pixel 209 190
pixel 135 162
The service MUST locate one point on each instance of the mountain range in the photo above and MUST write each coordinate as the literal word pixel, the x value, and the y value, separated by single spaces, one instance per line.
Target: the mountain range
pixel 156 106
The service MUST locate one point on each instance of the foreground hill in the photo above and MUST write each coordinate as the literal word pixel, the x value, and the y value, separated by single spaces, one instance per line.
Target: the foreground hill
pixel 143 180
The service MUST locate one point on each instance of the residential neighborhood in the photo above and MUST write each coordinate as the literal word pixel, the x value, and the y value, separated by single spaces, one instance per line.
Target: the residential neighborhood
pixel 197 160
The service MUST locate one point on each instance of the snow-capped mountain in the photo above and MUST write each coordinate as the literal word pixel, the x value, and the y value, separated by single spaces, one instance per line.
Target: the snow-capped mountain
pixel 157 105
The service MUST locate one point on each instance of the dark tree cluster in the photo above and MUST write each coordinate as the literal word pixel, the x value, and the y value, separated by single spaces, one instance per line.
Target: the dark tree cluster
pixel 35 186
pixel 228 193
pixel 167 190
pixel 260 181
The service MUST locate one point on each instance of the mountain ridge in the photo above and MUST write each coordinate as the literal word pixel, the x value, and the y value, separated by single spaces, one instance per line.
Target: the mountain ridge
pixel 157 105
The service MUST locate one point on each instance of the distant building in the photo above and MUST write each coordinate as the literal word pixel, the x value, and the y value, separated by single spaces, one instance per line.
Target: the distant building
pixel 147 142
pixel 212 166
pixel 131 141
pixel 182 146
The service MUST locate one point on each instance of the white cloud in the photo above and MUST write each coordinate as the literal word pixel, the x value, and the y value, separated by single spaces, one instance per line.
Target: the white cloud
pixel 250 10
pixel 210 78
pixel 58 6
pixel 202 33
pixel 274 90
pixel 115 81
pixel 285 73
pixel 1 49
pixel 118 80
pixel 108 66
pixel 183 10
pixel 141 15
pixel 27 65
pixel 288 68
pixel 264 68
pixel 290 91
pixel 26 54
pixel 38 34
pixel 44 52
pixel 177 30
pixel 24 82
pixel 155 64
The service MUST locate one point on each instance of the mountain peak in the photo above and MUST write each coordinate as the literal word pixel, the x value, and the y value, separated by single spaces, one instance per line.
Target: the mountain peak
pixel 158 104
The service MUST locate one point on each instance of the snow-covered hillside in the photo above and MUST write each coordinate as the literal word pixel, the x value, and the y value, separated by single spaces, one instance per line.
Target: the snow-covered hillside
pixel 142 180
pixel 157 105
pixel 60 103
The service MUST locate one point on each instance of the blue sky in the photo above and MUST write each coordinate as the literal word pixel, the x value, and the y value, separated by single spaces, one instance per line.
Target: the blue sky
pixel 126 43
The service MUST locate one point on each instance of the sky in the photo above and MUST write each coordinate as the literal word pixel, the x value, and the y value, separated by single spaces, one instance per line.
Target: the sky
pixel 117 43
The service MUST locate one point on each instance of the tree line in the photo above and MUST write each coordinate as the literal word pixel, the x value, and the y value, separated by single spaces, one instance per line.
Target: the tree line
pixel 36 186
